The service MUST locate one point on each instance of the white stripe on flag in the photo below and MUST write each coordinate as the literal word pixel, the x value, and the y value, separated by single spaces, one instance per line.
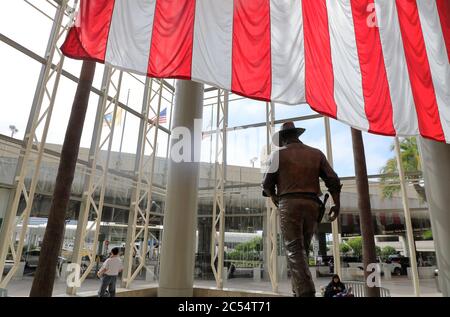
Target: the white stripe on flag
pixel 213 32
pixel 288 51
pixel 130 35
pixel 438 60
pixel 404 110
pixel 348 91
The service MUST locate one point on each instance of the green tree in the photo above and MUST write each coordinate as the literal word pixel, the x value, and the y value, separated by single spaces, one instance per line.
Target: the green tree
pixel 427 235
pixel 250 250
pixel 356 245
pixel 345 248
pixel 387 251
pixel 411 164
pixel 378 250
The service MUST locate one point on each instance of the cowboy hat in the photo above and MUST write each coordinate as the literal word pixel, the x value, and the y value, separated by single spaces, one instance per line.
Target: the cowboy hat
pixel 286 128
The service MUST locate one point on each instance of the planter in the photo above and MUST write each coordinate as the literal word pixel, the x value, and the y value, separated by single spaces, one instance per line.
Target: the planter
pixel 425 272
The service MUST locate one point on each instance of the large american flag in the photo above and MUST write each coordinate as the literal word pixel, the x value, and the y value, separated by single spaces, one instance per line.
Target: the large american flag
pixel 378 65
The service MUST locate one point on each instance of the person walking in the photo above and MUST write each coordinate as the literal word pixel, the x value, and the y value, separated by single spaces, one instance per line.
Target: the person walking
pixel 292 182
pixel 109 272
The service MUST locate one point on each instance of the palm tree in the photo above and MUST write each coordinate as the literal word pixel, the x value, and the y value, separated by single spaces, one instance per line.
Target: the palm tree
pixel 369 252
pixel 411 164
pixel 44 277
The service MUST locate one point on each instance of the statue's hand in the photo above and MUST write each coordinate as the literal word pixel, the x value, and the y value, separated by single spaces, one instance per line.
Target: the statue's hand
pixel 334 213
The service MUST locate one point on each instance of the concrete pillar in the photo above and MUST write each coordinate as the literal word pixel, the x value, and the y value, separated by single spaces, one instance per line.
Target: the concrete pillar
pixel 180 217
pixel 436 171
pixel 404 244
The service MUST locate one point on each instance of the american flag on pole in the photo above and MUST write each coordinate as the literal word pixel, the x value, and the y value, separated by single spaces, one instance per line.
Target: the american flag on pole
pixel 162 116
pixel 380 66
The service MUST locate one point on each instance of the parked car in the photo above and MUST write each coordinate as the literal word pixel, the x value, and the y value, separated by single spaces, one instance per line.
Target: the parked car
pixel 396 268
pixel 31 259
pixel 346 260
pixel 401 263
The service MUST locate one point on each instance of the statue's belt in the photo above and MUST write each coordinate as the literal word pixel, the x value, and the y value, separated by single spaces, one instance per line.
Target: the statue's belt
pixel 312 196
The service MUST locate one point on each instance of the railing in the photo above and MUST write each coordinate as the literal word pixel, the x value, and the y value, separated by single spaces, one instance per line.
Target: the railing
pixel 359 289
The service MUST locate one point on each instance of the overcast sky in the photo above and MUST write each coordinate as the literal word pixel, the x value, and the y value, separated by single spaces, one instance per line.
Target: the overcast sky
pixel 19 75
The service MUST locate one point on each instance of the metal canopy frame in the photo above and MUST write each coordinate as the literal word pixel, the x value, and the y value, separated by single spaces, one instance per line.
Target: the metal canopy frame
pixel 96 181
pixel 35 137
pixel 271 210
pixel 334 224
pixel 218 212
pixel 33 149
pixel 141 202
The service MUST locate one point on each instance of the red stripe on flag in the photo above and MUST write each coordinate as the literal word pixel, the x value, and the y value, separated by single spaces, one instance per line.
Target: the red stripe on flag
pixel 94 20
pixel 318 65
pixel 377 97
pixel 251 61
pixel 443 7
pixel 72 46
pixel 419 70
pixel 172 39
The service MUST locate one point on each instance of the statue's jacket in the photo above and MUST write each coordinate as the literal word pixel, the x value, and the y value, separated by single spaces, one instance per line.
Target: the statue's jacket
pixel 296 168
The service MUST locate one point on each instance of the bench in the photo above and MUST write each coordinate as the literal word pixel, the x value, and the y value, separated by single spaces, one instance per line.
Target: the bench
pixel 359 289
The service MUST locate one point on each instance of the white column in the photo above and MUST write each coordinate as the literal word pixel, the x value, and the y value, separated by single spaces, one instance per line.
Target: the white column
pixel 404 244
pixel 180 216
pixel 408 224
pixel 436 171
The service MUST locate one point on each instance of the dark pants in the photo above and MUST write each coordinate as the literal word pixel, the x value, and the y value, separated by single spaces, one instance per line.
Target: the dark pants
pixel 109 282
pixel 298 220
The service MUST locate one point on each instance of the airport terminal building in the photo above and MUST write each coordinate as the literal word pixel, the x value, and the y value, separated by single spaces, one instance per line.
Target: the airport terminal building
pixel 169 170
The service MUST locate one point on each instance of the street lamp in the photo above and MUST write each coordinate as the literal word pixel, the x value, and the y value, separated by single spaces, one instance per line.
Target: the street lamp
pixel 253 160
pixel 13 129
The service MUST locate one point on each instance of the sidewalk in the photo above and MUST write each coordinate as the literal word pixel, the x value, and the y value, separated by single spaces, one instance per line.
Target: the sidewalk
pixel 398 286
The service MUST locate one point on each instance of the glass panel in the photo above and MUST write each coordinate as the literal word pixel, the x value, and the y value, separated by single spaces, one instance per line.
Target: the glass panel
pixel 18 29
pixel 17 90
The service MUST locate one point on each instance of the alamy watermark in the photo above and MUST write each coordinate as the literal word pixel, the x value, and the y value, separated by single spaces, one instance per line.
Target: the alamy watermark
pixel 185 146
pixel 73 277
pixel 374 278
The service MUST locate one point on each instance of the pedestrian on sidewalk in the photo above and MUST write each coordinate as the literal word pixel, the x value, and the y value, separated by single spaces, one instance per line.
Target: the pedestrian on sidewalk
pixel 109 272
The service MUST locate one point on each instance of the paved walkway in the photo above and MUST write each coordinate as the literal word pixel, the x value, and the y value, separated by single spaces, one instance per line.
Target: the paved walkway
pixel 398 286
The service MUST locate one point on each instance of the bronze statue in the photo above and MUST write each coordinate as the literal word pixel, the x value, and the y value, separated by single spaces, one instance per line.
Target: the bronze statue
pixel 294 188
